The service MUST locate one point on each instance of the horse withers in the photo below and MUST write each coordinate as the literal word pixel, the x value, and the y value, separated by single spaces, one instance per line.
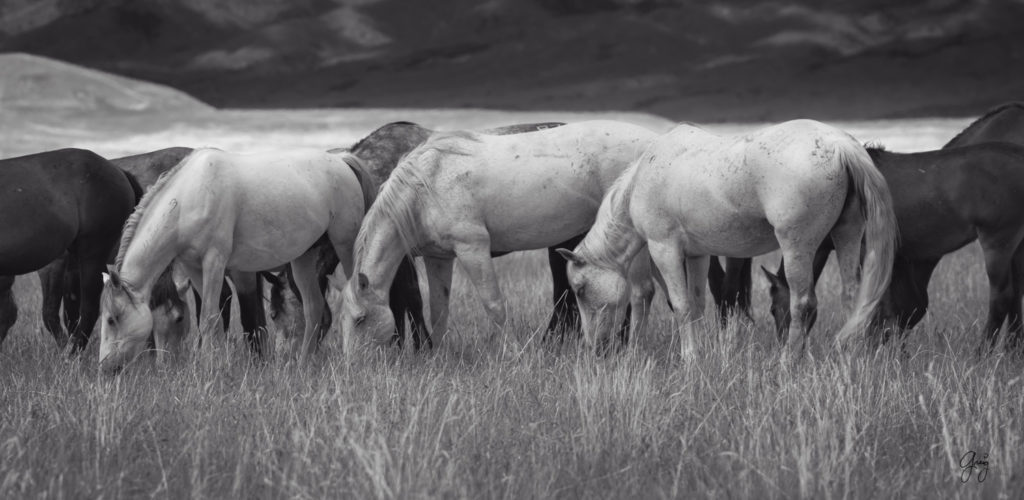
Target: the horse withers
pixel 694 194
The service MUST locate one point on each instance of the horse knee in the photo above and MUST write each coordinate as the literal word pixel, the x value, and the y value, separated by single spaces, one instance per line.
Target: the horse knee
pixel 496 310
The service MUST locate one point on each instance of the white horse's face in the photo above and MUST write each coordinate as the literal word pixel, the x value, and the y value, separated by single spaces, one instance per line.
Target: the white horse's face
pixel 364 314
pixel 602 295
pixel 126 324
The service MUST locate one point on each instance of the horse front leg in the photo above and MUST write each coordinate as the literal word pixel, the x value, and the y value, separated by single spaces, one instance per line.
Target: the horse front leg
pixel 674 267
pixel 475 257
pixel 641 294
pixel 439 283
pixel 214 264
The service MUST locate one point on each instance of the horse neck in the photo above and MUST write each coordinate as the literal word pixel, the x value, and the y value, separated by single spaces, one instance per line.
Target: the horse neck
pixel 614 240
pixel 150 251
pixel 380 254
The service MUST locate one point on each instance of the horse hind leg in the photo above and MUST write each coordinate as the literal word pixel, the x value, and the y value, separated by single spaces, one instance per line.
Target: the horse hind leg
pixel 8 307
pixel 51 281
pixel 565 318
pixel 250 309
pixel 999 255
pixel 92 260
pixel 803 303
pixel 405 301
pixel 313 303
pixel 1015 328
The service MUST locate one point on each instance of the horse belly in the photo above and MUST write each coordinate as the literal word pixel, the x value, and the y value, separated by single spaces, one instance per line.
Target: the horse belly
pixel 29 239
pixel 728 236
pixel 538 222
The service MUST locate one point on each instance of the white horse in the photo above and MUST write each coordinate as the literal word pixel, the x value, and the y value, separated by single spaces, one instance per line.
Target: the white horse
pixel 693 194
pixel 217 211
pixel 471 196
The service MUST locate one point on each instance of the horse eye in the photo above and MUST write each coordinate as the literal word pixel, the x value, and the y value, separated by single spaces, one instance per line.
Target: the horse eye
pixel 110 320
pixel 579 291
pixel 360 319
pixel 178 320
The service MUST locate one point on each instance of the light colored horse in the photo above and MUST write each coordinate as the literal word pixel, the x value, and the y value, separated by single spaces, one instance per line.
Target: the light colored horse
pixel 469 196
pixel 693 194
pixel 217 211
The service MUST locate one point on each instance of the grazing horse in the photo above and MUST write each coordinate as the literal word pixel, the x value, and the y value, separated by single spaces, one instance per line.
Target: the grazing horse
pixel 217 211
pixel 66 201
pixel 59 279
pixel 944 200
pixel 380 152
pixel 472 195
pixel 693 194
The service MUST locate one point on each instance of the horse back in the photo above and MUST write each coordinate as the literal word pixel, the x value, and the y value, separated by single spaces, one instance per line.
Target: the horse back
pixel 147 167
pixel 1004 123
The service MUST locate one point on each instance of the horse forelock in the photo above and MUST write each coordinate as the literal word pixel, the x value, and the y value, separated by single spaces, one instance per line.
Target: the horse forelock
pixel 131 225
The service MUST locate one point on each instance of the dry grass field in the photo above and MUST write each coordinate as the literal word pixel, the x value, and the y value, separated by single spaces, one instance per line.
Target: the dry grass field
pixel 498 414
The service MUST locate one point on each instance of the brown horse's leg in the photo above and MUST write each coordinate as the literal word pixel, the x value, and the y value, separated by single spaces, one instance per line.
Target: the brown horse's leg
pixel 566 315
pixel 1015 333
pixel 736 287
pixel 91 261
pixel 716 284
pixel 71 296
pixel 405 299
pixel 51 281
pixel 225 305
pixel 250 310
pixel 999 251
pixel 8 307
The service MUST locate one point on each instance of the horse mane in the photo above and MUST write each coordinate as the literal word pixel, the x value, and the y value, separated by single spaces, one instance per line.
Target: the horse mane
pixel 132 223
pixel 395 199
pixel 988 114
pixel 609 227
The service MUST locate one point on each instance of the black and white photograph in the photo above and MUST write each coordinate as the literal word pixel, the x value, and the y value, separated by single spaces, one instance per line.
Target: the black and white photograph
pixel 511 249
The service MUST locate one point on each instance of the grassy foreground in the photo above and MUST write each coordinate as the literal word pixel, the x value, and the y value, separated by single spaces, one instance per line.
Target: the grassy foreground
pixel 509 417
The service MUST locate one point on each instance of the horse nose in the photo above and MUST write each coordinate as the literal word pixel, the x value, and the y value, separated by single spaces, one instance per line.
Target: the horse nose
pixel 110 369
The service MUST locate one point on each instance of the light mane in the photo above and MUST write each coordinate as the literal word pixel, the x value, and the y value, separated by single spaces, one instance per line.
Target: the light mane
pixel 131 225
pixel 612 229
pixel 412 179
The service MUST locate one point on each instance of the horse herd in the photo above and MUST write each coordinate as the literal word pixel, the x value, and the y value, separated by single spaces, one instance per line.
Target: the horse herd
pixel 623 211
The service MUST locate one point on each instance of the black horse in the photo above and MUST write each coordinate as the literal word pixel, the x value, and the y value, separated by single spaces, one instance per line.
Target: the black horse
pixel 66 201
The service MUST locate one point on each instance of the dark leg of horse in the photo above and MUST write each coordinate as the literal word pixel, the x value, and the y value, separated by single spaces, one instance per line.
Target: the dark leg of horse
pixel 91 261
pixel 404 298
pixel 998 266
pixel 8 308
pixel 250 310
pixel 51 281
pixel 716 282
pixel 906 300
pixel 225 305
pixel 624 329
pixel 1015 332
pixel 71 296
pixel 566 316
pixel 735 287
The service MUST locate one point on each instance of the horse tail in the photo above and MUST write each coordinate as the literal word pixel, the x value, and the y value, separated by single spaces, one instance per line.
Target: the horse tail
pixel 881 234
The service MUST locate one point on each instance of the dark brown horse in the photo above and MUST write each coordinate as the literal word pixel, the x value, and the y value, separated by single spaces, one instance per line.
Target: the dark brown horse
pixel 1004 123
pixel 66 201
pixel 944 200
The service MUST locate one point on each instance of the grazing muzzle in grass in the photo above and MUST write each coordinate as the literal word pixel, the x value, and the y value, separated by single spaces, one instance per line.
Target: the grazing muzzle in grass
pixel 365 315
pixel 126 324
pixel 602 294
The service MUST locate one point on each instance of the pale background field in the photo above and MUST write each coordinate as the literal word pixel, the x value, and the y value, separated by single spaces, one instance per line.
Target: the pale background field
pixel 499 414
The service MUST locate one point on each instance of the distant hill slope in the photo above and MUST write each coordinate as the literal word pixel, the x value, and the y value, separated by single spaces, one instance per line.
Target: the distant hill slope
pixel 687 59
pixel 29 82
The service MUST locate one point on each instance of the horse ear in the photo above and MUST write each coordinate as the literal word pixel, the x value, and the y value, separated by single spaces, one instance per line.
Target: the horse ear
pixel 106 278
pixel 772 278
pixel 181 288
pixel 111 277
pixel 571 256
